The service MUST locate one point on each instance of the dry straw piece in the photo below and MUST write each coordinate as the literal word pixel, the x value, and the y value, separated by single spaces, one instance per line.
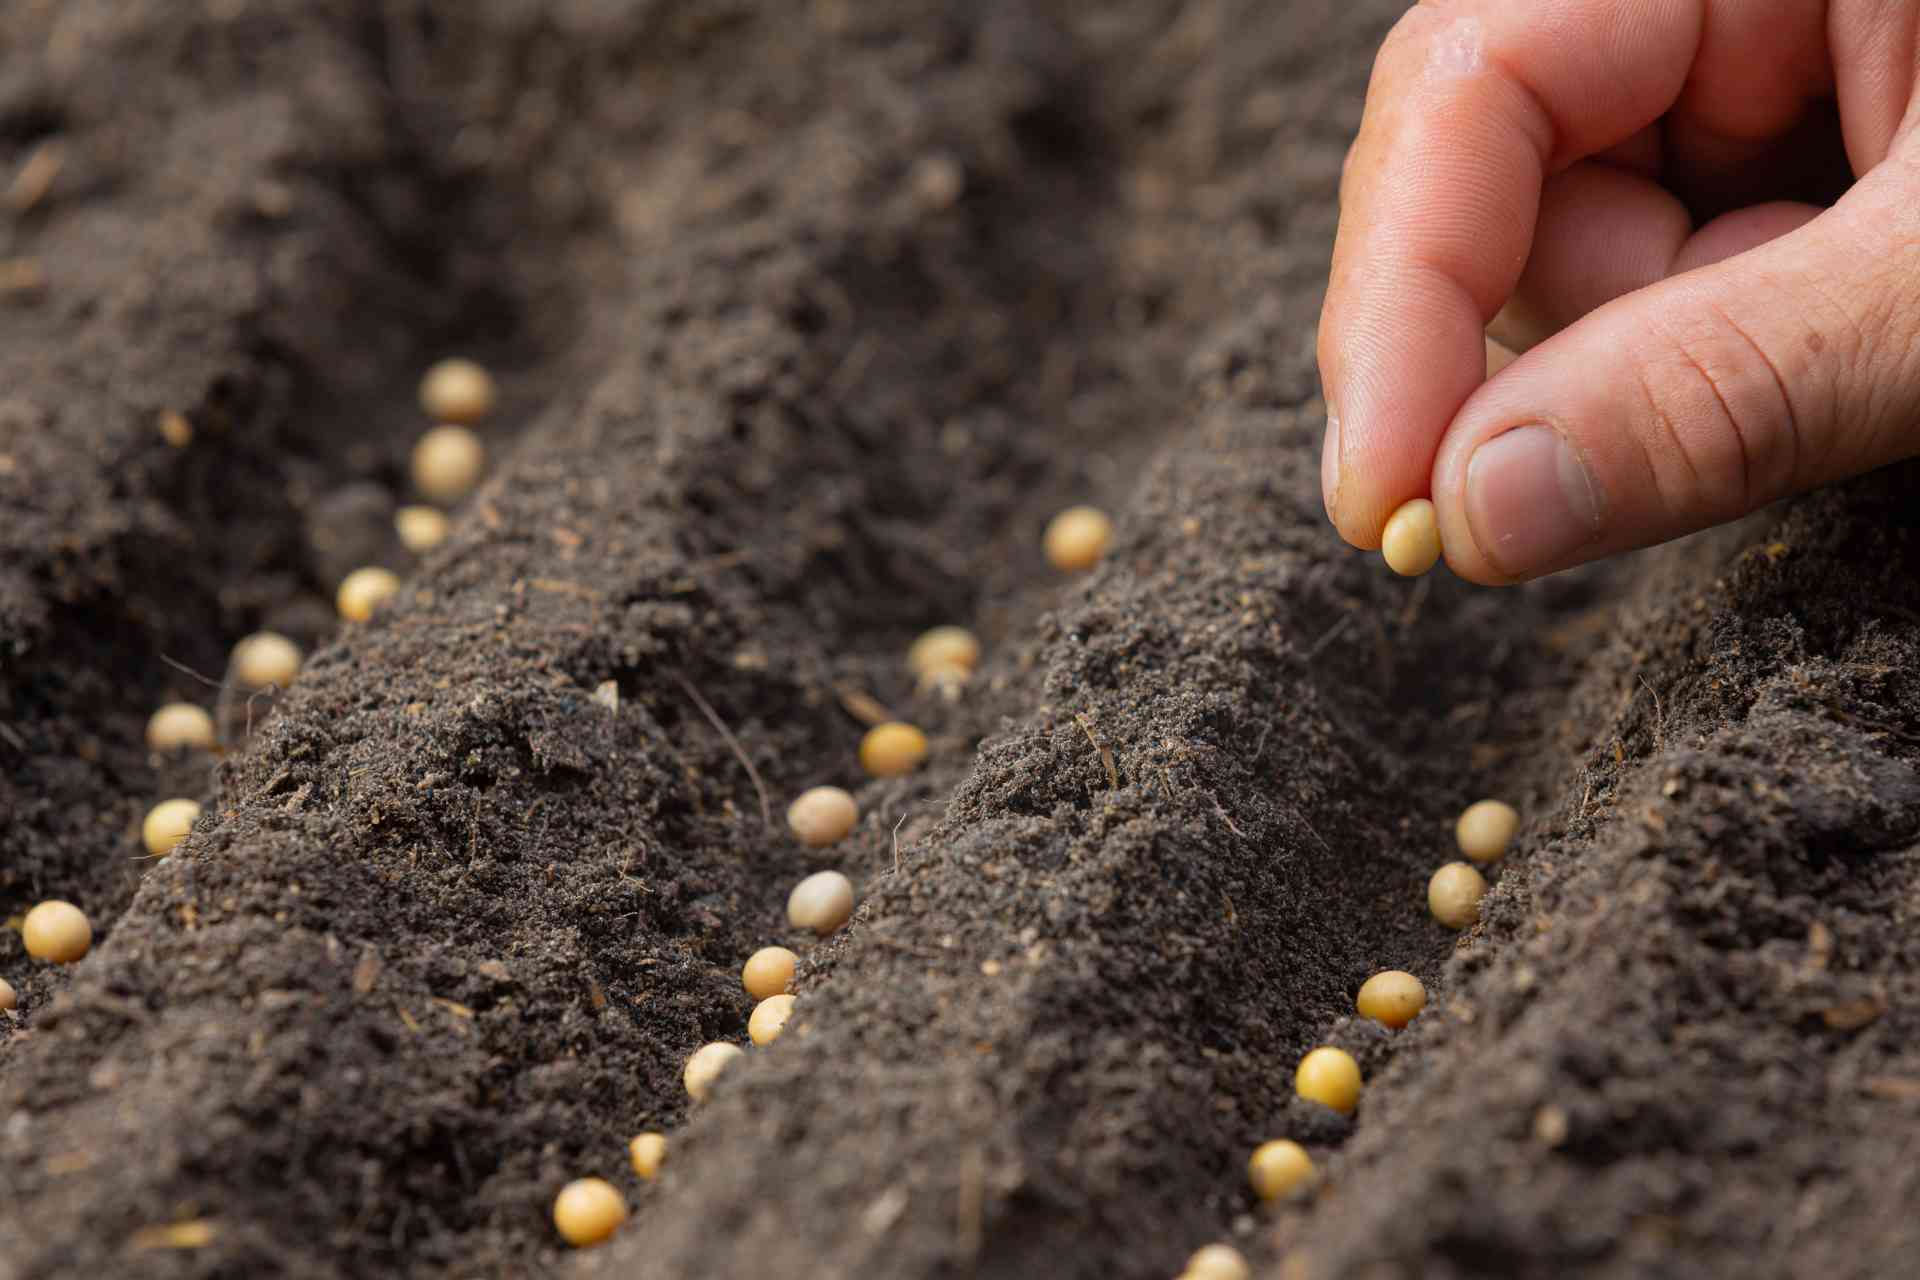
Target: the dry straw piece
pixel 648 1152
pixel 56 931
pixel 588 1211
pixel 167 824
pixel 768 971
pixel 1077 539
pixel 1329 1077
pixel 1454 894
pixel 266 659
pixel 364 590
pixel 1486 829
pixel 421 529
pixel 769 1019
pixel 892 749
pixel 705 1066
pixel 1411 540
pixel 1278 1168
pixel 822 816
pixel 822 902
pixel 180 724
pixel 457 390
pixel 447 463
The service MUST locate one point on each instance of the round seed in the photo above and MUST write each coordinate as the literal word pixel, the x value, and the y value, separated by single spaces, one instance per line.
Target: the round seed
pixel 588 1211
pixel 56 931
pixel 769 1019
pixel 1278 1167
pixel 943 647
pixel 1391 998
pixel 421 529
pixel 822 902
pixel 167 825
pixel 705 1066
pixel 1486 829
pixel 1454 893
pixel 457 391
pixel 648 1152
pixel 363 591
pixel 8 1000
pixel 447 463
pixel 768 971
pixel 892 749
pixel 1077 538
pixel 266 658
pixel 1330 1077
pixel 1411 541
pixel 180 724
pixel 1217 1262
pixel 822 816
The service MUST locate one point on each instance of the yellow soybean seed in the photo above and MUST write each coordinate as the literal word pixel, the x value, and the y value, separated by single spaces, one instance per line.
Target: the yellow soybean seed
pixel 1454 893
pixel 1391 998
pixel 457 391
pixel 1217 1262
pixel 769 1019
pixel 822 816
pixel 768 971
pixel 648 1152
pixel 705 1066
pixel 1077 539
pixel 1411 541
pixel 943 647
pixel 1329 1077
pixel 56 931
pixel 167 825
pixel 1277 1168
pixel 822 902
pixel 8 1000
pixel 364 590
pixel 421 529
pixel 588 1211
pixel 180 724
pixel 1486 829
pixel 266 658
pixel 892 749
pixel 447 463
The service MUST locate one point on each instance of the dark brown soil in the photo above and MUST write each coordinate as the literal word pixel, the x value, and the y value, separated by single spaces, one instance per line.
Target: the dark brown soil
pixel 807 315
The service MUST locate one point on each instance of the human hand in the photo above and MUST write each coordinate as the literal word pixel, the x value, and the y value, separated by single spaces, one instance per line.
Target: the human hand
pixel 1621 186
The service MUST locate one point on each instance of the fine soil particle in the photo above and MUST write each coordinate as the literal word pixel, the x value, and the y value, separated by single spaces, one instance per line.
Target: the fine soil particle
pixel 806 318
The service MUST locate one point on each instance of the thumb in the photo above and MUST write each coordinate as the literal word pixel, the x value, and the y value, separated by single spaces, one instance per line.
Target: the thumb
pixel 1697 399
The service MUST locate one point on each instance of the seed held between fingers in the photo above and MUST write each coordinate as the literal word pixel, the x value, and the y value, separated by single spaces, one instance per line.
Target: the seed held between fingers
pixel 1411 540
pixel 167 824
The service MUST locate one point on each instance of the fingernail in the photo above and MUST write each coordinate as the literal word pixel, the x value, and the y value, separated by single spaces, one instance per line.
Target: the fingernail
pixel 1330 462
pixel 1530 502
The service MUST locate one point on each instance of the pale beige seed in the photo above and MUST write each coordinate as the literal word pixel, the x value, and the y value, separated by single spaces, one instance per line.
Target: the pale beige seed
pixel 588 1211
pixel 949 681
pixel 1454 893
pixel 457 391
pixel 1391 998
pixel 180 724
pixel 1411 541
pixel 822 902
pixel 167 825
pixel 56 931
pixel 1217 1262
pixel 822 816
pixel 769 1019
pixel 943 647
pixel 421 529
pixel 447 463
pixel 364 590
pixel 1277 1168
pixel 705 1066
pixel 1330 1077
pixel 768 971
pixel 266 658
pixel 1077 539
pixel 892 749
pixel 1486 829
pixel 8 999
pixel 648 1152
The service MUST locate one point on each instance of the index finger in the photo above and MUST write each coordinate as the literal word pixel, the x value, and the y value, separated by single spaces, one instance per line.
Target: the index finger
pixel 1472 104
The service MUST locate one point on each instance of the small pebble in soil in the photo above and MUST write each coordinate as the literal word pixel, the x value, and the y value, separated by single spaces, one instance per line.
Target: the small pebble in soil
pixel 943 647
pixel 1486 829
pixel 1278 1167
pixel 892 749
pixel 1077 538
pixel 457 390
pixel 769 1019
pixel 705 1066
pixel 822 902
pixel 167 825
pixel 768 971
pixel 1217 1262
pixel 56 931
pixel 822 816
pixel 421 529
pixel 266 658
pixel 8 1000
pixel 1454 893
pixel 1329 1077
pixel 648 1152
pixel 588 1211
pixel 180 724
pixel 364 590
pixel 1411 541
pixel 1391 998
pixel 447 463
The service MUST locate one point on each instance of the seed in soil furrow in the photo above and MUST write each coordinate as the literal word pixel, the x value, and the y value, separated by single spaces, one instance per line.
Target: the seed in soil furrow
pixel 57 931
pixel 769 1019
pixel 768 971
pixel 1392 998
pixel 1077 539
pixel 1486 829
pixel 1454 893
pixel 457 391
pixel 421 529
pixel 588 1211
pixel 447 463
pixel 364 590
pixel 266 659
pixel 1329 1077
pixel 892 750
pixel 167 824
pixel 822 902
pixel 180 724
pixel 705 1066
pixel 1217 1262
pixel 822 816
pixel 1277 1168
